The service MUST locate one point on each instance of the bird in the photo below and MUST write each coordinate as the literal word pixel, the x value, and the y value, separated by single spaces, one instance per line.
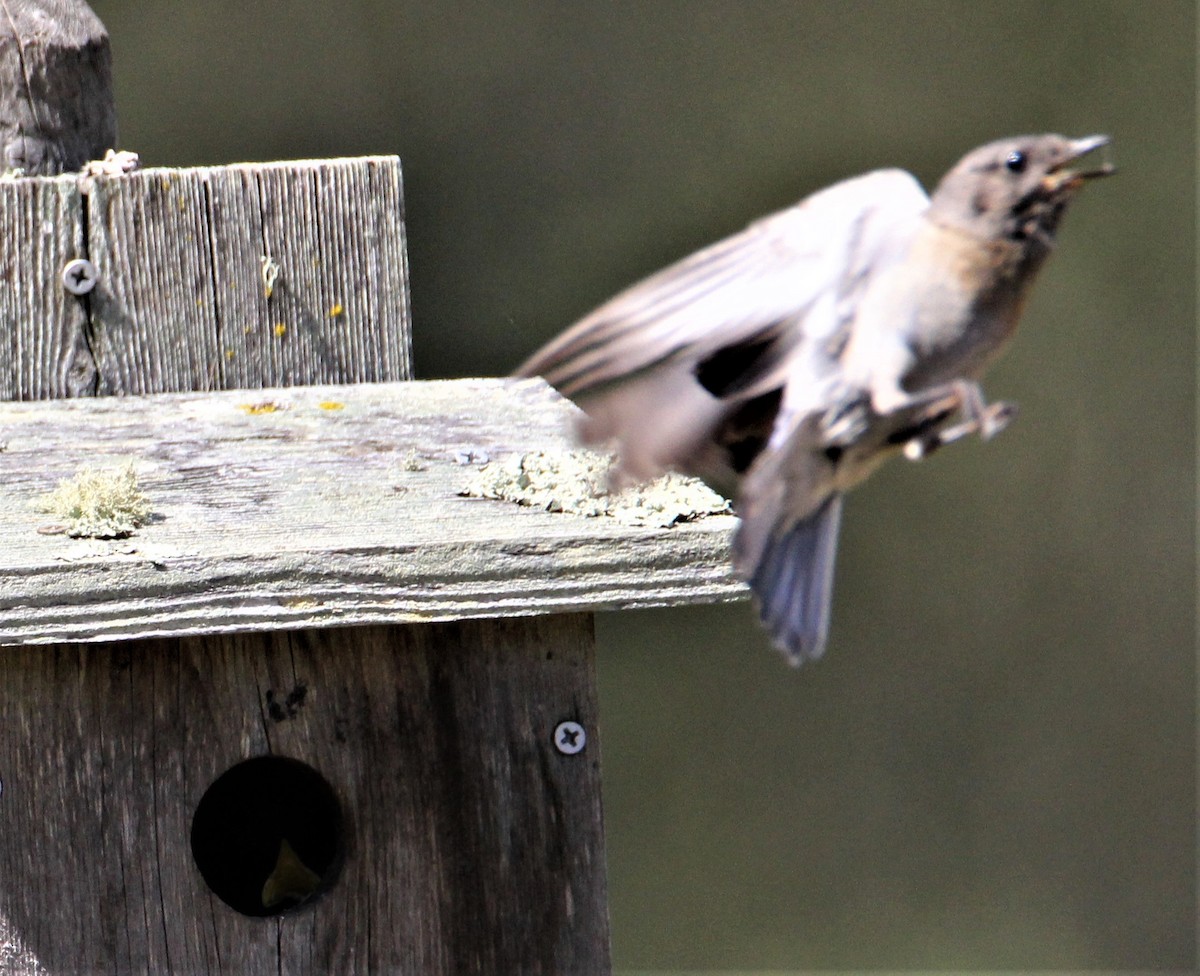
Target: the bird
pixel 784 364
pixel 291 881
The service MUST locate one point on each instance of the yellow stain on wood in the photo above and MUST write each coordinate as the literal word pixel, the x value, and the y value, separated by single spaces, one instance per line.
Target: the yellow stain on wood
pixel 301 603
pixel 263 406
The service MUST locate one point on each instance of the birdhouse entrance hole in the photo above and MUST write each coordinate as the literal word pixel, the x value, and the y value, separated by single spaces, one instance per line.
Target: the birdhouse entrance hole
pixel 267 835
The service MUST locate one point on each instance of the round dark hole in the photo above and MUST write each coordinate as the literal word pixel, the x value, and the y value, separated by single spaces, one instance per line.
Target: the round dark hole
pixel 267 835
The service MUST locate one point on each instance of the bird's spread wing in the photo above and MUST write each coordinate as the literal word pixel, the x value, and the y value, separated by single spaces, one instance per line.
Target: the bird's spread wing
pixel 684 370
pixel 780 272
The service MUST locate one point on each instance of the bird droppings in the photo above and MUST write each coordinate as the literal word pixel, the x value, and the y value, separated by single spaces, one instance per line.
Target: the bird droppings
pixel 98 504
pixel 577 482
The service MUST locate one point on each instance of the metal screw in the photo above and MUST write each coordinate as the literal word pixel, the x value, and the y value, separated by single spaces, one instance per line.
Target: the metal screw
pixel 79 276
pixel 569 738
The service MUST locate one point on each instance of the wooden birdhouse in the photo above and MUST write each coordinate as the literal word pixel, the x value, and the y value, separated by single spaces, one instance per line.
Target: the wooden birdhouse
pixel 289 681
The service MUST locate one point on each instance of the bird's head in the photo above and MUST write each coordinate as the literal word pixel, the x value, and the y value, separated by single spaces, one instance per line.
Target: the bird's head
pixel 1016 189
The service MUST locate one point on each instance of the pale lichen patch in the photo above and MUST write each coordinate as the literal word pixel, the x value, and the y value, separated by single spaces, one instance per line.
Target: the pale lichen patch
pixel 578 482
pixel 98 503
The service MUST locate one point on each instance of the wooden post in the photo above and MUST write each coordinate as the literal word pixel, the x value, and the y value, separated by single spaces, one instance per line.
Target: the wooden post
pixel 311 587
pixel 56 98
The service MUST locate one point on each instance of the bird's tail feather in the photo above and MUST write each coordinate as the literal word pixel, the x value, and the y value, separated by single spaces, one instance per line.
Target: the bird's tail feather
pixel 794 583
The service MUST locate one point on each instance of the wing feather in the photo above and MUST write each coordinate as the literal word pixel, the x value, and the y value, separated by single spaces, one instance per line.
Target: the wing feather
pixel 783 269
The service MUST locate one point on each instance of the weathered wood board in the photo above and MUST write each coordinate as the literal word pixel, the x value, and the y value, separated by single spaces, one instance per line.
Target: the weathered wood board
pixel 297 508
pixel 43 337
pixel 473 846
pixel 246 276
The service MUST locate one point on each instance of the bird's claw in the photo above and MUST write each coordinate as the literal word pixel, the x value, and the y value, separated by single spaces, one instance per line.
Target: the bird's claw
pixel 921 422
pixel 844 424
pixel 986 420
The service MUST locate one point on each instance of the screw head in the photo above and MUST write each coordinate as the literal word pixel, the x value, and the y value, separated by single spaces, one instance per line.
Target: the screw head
pixel 79 276
pixel 569 738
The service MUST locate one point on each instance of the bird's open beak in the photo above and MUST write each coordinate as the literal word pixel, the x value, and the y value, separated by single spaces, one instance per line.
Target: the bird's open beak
pixel 1062 176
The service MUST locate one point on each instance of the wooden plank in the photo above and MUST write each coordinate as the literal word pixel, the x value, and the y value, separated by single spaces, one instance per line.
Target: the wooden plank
pixel 44 348
pixel 186 307
pixel 310 516
pixel 472 844
pixel 181 302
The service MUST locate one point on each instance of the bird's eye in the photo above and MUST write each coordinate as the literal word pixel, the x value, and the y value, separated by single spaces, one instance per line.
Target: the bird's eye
pixel 1016 161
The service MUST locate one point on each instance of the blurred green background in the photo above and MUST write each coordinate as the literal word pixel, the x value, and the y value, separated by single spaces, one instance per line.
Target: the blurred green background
pixel 993 767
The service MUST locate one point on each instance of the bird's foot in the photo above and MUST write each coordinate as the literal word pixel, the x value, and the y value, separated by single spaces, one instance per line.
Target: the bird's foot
pixel 978 417
pixel 846 422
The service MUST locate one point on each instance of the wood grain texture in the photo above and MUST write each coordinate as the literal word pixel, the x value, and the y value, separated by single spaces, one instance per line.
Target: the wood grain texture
pixel 472 845
pixel 181 303
pixel 56 98
pixel 44 342
pixel 309 516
